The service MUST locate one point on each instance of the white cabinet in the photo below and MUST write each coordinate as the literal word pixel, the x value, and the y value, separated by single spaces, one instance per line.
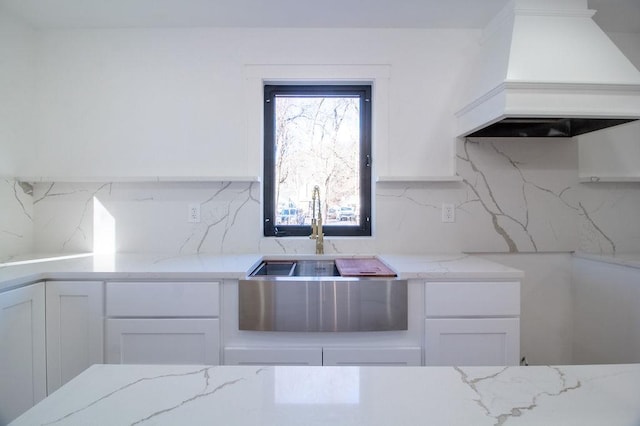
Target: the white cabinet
pixel 162 323
pixel 472 323
pixel 611 154
pixel 75 323
pixel 23 380
pixel 334 356
pixel 163 341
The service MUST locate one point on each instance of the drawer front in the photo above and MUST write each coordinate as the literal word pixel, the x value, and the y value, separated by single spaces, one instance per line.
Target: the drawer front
pixel 166 299
pixel 272 356
pixel 400 356
pixel 460 299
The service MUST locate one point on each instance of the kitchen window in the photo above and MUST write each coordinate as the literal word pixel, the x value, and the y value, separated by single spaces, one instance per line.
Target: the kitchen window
pixel 317 135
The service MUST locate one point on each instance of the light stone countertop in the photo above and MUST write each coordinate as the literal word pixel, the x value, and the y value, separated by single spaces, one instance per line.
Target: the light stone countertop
pixel 623 259
pixel 248 395
pixel 449 267
pixel 30 269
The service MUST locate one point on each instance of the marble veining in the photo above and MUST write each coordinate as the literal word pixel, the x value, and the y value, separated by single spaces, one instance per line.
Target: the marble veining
pixel 202 371
pixel 220 218
pixel 16 193
pixel 514 196
pixel 584 213
pixel 16 219
pixel 207 390
pixel 507 196
pixel 79 229
pixel 245 395
pixel 501 401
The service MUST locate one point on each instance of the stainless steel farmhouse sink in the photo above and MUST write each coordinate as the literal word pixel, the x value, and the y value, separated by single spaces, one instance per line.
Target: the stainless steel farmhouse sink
pixel 311 295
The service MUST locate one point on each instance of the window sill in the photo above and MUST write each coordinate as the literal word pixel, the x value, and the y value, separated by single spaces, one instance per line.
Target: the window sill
pixel 410 179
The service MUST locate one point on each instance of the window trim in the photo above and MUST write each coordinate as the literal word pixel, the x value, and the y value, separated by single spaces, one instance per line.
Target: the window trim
pixel 363 91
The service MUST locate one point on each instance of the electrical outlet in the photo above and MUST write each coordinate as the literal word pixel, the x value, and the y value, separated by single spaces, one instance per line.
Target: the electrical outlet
pixel 448 212
pixel 194 213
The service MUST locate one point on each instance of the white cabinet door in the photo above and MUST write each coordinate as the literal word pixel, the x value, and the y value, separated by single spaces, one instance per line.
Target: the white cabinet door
pixel 163 341
pixel 372 356
pixel 472 341
pixel 610 154
pixel 272 356
pixel 23 377
pixel 74 329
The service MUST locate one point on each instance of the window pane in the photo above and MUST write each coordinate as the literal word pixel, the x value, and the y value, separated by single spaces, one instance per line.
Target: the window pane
pixel 317 142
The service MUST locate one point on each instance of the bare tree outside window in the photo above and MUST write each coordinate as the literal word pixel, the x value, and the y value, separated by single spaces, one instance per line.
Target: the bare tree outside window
pixel 317 136
pixel 317 143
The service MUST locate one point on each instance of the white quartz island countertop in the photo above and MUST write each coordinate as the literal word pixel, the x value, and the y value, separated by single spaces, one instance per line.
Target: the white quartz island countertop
pixel 29 269
pixel 227 395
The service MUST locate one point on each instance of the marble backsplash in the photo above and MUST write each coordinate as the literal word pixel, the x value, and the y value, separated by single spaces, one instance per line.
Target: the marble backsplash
pixel 516 196
pixel 16 218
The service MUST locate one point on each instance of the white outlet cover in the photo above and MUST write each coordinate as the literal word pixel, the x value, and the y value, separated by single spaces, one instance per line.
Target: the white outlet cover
pixel 448 213
pixel 193 213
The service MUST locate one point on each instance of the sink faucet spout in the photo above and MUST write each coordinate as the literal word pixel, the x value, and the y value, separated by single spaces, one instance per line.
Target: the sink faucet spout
pixel 316 223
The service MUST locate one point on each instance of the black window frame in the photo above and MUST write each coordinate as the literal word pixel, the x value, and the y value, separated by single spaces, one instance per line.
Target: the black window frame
pixel 363 92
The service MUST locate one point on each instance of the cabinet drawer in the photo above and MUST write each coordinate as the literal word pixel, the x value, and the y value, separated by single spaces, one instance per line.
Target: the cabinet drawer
pixel 166 299
pixel 372 356
pixel 272 356
pixel 460 299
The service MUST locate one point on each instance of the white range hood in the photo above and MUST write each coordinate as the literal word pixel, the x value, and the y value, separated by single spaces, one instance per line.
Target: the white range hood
pixel 545 69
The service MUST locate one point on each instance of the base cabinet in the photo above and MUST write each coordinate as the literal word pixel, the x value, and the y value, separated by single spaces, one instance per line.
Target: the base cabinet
pixel 23 377
pixel 163 341
pixel 470 342
pixel 330 356
pixel 75 336
pixel 472 323
pixel 162 323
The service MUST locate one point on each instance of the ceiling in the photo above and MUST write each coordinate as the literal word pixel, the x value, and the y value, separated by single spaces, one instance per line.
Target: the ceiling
pixel 612 16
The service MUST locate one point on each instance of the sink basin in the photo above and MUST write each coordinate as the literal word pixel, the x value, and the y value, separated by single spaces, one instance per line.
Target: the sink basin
pixel 310 295
pixel 296 268
pixel 274 268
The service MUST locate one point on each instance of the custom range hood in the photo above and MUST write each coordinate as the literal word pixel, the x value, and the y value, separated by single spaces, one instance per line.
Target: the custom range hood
pixel 545 69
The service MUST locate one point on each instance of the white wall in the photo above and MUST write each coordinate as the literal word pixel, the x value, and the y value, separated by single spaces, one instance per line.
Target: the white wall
pixel 171 101
pixel 629 44
pixel 17 62
pixel 606 298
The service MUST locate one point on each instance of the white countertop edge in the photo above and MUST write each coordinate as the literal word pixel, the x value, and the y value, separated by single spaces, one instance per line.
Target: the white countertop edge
pixel 631 260
pixel 147 267
pixel 449 267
